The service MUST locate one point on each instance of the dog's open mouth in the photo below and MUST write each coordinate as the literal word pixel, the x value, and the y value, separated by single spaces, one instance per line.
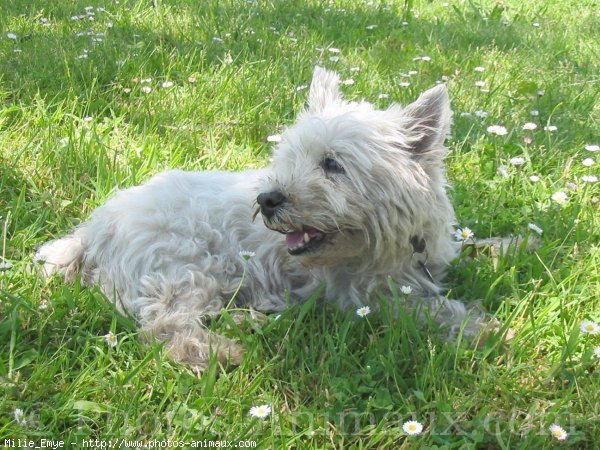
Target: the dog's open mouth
pixel 306 239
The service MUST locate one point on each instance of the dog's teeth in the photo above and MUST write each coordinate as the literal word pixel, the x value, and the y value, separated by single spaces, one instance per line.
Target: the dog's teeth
pixel 306 238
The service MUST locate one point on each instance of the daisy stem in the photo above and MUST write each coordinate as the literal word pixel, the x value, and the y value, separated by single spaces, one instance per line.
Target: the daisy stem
pixel 370 326
pixel 239 286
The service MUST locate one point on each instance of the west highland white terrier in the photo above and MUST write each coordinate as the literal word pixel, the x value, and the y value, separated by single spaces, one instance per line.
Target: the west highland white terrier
pixel 354 199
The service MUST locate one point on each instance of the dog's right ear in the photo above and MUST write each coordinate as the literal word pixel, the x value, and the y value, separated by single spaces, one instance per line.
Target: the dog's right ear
pixel 324 90
pixel 428 123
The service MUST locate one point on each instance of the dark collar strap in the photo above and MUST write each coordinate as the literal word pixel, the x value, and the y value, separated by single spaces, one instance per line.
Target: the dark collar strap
pixel 419 245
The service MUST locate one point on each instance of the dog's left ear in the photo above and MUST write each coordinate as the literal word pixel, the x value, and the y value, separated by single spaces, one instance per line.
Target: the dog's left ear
pixel 428 122
pixel 324 90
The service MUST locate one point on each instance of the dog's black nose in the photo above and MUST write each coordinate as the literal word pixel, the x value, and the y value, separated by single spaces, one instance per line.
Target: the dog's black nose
pixel 269 202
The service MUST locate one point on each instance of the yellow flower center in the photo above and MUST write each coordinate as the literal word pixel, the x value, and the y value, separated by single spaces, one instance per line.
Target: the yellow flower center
pixel 589 327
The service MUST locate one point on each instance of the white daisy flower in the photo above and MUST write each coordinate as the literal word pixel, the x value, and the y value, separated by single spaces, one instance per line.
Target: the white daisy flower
pixel 12 36
pixel 541 92
pixel 404 84
pixel 558 432
pixel 146 89
pixel 412 427
pixel 260 412
pixel 517 161
pixel 592 147
pixel 406 290
pixel 192 79
pixel 480 83
pixel 111 339
pixel 167 84
pixel 481 114
pixel 382 96
pixel 534 178
pixel 534 112
pixel 503 172
pixel 589 327
pixel 479 69
pixel 559 197
pixel 371 27
pixel 587 162
pixel 20 417
pixel 301 87
pixel 412 72
pixel 247 254
pixel 5 265
pixel 274 138
pixel 498 130
pixel 333 50
pixel 348 82
pixel 589 178
pixel 334 58
pixel 534 227
pixel 426 58
pixel 597 352
pixel 463 234
pixel 529 126
pixel 550 128
pixel 363 311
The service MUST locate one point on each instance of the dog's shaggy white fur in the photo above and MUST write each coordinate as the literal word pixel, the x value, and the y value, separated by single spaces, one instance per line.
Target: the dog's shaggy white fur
pixel 359 195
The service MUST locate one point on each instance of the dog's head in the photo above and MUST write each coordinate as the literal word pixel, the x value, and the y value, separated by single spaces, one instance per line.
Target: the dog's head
pixel 351 181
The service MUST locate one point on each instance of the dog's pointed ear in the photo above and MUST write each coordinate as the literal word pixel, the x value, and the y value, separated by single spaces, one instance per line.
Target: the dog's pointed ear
pixel 428 121
pixel 324 89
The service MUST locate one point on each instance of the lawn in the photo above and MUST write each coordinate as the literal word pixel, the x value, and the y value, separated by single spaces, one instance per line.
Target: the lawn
pixel 99 95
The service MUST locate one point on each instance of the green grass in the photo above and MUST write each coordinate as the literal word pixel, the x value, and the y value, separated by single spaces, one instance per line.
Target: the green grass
pixel 333 381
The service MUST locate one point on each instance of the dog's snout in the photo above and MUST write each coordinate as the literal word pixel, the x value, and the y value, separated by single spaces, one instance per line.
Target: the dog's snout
pixel 270 201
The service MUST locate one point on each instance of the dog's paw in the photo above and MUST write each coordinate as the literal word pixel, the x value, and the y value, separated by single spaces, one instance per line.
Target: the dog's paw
pixel 231 354
pixel 196 353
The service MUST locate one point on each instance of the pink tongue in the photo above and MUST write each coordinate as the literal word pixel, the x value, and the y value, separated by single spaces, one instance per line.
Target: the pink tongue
pixel 295 239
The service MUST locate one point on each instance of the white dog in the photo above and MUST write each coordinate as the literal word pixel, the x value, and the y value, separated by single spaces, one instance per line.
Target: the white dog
pixel 354 197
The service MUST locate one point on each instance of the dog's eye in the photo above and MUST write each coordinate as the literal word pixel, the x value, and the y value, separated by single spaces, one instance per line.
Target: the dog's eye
pixel 330 165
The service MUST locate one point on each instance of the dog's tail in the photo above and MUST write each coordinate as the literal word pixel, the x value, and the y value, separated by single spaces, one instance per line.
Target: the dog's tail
pixel 64 256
